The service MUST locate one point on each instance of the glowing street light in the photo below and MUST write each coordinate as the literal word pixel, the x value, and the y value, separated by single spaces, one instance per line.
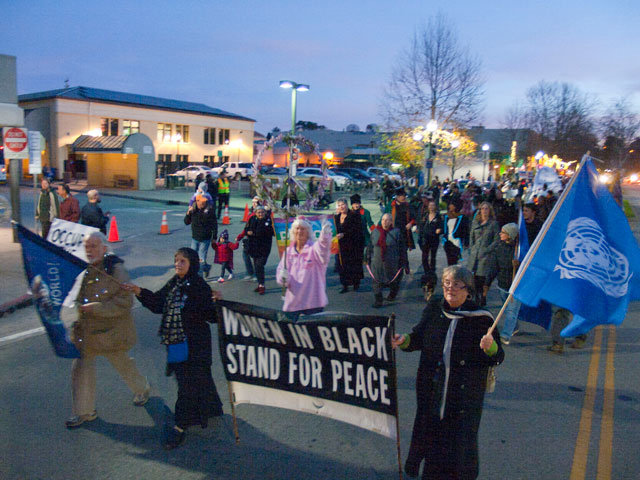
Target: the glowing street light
pixel 295 88
pixel 485 150
pixel 431 127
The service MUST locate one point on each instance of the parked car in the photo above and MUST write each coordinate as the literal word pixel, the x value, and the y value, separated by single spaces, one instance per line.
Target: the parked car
pixel 379 172
pixel 191 172
pixel 279 171
pixel 236 170
pixel 341 182
pixel 357 174
pixel 3 173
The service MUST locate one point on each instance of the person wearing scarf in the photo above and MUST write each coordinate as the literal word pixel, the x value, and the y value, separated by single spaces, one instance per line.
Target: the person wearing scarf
pixel 456 353
pixel 386 259
pixel 187 308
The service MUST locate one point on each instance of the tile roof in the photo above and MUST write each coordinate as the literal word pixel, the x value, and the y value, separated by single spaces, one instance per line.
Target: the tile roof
pixel 132 99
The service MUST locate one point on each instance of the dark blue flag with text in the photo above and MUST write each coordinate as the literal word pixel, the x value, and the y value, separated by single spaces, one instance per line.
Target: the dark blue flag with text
pixel 51 272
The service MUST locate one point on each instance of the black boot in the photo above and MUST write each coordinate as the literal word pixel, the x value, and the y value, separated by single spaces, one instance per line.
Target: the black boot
pixel 356 286
pixel 378 301
pixel 345 289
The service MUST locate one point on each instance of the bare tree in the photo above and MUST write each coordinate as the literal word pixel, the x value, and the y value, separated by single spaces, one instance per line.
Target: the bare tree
pixel 563 118
pixel 436 78
pixel 620 127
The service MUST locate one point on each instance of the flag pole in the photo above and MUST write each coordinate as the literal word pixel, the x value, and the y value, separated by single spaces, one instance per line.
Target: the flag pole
pixel 536 243
pixel 231 397
pixel 394 387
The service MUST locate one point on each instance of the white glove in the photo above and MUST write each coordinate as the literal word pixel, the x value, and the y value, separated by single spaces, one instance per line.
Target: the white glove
pixel 414 229
pixel 283 276
pixel 326 229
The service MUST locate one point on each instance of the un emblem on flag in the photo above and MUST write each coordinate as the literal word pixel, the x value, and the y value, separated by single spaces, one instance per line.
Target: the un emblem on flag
pixel 587 255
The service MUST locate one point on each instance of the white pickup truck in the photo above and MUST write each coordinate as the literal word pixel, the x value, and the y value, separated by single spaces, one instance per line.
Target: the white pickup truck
pixel 236 170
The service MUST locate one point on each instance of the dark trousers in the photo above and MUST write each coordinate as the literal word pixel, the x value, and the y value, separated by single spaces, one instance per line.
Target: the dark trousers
pixel 223 201
pixel 452 252
pixel 429 251
pixel 259 263
pixel 46 226
pixel 225 266
pixel 248 262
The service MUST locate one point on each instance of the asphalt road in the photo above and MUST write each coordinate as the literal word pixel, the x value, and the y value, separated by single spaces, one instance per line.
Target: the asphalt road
pixel 539 423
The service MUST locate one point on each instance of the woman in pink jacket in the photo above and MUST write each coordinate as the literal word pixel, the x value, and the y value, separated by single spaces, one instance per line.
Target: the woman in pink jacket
pixel 305 274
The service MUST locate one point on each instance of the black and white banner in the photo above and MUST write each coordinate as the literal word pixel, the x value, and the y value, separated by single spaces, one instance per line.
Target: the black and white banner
pixel 336 365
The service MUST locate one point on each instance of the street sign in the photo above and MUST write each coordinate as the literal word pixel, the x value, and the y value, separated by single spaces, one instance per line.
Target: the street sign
pixel 15 143
pixel 35 157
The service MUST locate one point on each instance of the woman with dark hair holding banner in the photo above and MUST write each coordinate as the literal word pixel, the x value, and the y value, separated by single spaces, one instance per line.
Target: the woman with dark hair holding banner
pixel 456 353
pixel 187 308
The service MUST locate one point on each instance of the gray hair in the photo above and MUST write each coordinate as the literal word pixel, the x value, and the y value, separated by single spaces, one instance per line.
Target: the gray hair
pixel 100 236
pixel 299 222
pixel 458 273
pixel 342 200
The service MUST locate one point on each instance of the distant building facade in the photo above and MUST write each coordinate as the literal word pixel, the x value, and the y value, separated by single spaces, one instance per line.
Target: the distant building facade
pixel 182 133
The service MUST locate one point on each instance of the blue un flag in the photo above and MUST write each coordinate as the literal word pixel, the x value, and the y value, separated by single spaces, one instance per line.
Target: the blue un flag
pixel 587 260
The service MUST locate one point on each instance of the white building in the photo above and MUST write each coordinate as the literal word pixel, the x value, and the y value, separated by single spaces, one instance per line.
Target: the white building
pixel 182 132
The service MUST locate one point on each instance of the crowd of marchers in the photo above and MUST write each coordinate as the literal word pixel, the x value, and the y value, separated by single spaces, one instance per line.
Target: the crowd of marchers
pixel 476 227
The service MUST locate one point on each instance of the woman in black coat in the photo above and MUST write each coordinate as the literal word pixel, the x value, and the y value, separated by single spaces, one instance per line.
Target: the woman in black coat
pixel 351 246
pixel 431 227
pixel 187 308
pixel 456 353
pixel 259 230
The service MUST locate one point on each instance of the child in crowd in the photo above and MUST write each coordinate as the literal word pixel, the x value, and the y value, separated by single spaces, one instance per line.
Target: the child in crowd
pixel 224 254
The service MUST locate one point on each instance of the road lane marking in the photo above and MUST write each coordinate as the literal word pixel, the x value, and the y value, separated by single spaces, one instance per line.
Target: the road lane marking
pixel 606 425
pixel 579 467
pixel 26 333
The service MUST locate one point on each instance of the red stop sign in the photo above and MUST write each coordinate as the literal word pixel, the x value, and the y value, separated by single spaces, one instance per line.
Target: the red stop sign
pixel 15 139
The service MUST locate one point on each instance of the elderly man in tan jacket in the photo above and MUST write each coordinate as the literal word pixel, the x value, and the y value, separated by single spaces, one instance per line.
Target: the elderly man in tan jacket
pixel 105 327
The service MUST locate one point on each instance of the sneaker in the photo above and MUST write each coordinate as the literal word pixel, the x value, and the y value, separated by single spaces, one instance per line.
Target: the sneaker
pixel 220 280
pixel 174 439
pixel 505 341
pixel 230 276
pixel 77 420
pixel 141 399
pixel 556 348
pixel 261 289
pixel 249 278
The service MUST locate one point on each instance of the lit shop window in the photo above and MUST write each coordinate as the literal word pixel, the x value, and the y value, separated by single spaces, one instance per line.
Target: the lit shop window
pixel 129 127
pixel 109 126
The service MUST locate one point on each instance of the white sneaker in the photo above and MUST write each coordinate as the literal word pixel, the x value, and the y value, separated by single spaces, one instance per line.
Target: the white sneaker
pixel 220 280
pixel 230 276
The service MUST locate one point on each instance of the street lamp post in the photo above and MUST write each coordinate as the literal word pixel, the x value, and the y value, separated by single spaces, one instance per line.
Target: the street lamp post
pixel 432 126
pixel 295 87
pixel 485 155
pixel 454 144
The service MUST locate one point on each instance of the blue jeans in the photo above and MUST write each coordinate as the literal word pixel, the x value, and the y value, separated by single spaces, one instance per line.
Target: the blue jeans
pixel 202 247
pixel 248 262
pixel 510 314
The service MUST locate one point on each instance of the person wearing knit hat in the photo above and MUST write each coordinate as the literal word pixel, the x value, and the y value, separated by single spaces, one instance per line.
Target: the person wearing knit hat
pixel 365 216
pixel 224 254
pixel 203 189
pixel 505 269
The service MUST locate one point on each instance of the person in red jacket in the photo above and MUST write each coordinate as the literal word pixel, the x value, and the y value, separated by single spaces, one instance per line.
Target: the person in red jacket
pixel 69 207
pixel 224 254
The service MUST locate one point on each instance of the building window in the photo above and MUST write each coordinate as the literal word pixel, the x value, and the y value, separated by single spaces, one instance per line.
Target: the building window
pixel 109 126
pixel 210 160
pixel 163 165
pixel 209 136
pixel 129 127
pixel 182 133
pixel 223 136
pixel 164 132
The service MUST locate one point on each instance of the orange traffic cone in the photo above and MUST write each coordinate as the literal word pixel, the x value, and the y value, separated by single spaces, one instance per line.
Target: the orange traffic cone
pixel 113 231
pixel 245 218
pixel 164 226
pixel 226 220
